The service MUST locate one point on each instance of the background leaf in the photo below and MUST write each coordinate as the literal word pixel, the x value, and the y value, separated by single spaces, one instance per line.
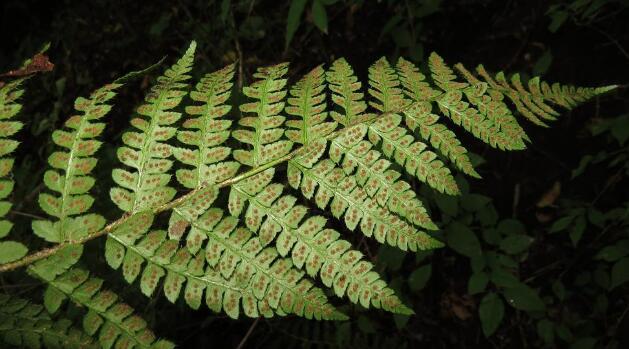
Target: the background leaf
pixel 491 312
pixel 293 20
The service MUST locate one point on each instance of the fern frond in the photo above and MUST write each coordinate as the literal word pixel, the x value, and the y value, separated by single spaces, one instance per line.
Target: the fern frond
pixel 106 315
pixel 164 257
pixel 25 324
pixel 400 146
pixel 331 185
pixel 308 105
pixel 226 284
pixel 9 108
pixel 233 253
pixel 242 258
pixel 531 102
pixel 265 139
pixel 484 117
pixel 374 175
pixel 384 86
pixel 319 250
pixel 396 142
pixel 419 116
pixel 207 133
pixel 346 93
pixel 70 177
pixel 147 152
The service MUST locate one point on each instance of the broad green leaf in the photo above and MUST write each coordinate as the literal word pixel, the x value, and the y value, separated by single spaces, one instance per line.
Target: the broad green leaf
pixel 503 278
pixel 491 312
pixel 584 343
pixel 546 331
pixel 514 244
pixel 561 224
pixel 319 16
pixel 418 278
pixel 543 63
pixel 577 230
pixel 477 283
pixel 523 298
pixel 293 19
pixel 463 240
pixel 614 252
pixel 620 273
pixel 474 202
pixel 511 226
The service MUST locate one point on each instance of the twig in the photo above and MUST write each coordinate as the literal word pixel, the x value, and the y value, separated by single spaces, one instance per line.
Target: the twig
pixel 30 215
pixel 244 339
pixel 612 40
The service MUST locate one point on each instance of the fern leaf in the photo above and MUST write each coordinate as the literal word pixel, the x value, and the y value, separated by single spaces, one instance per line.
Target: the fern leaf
pixel 531 102
pixel 308 105
pixel 419 116
pixel 146 152
pixel 227 283
pixel 400 146
pixel 70 176
pixel 276 283
pixel 106 315
pixel 9 108
pixel 346 93
pixel 330 185
pixel 479 122
pixel 207 133
pixel 373 173
pixel 320 250
pixel 491 105
pixel 384 86
pixel 265 139
pixel 26 324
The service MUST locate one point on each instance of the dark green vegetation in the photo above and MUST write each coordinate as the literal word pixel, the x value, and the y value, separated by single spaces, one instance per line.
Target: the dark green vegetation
pixel 538 248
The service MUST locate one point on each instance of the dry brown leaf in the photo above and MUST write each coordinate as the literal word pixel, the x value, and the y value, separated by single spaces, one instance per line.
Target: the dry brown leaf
pixel 549 198
pixel 39 63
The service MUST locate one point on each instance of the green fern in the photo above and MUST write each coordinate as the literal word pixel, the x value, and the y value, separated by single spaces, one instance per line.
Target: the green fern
pixel 24 324
pixel 9 108
pixel 107 319
pixel 237 239
pixel 77 162
pixel 147 151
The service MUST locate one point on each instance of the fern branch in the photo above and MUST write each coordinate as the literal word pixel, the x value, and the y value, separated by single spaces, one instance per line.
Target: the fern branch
pixel 106 315
pixel 276 215
pixel 380 182
pixel 77 163
pixel 9 107
pixel 207 133
pixel 348 200
pixel 24 324
pixel 308 105
pixel 275 282
pixel 452 105
pixel 420 117
pixel 146 151
pixel 346 93
pixel 164 258
pixel 265 139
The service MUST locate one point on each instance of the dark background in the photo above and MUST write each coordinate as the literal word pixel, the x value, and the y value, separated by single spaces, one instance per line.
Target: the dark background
pixel 93 42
